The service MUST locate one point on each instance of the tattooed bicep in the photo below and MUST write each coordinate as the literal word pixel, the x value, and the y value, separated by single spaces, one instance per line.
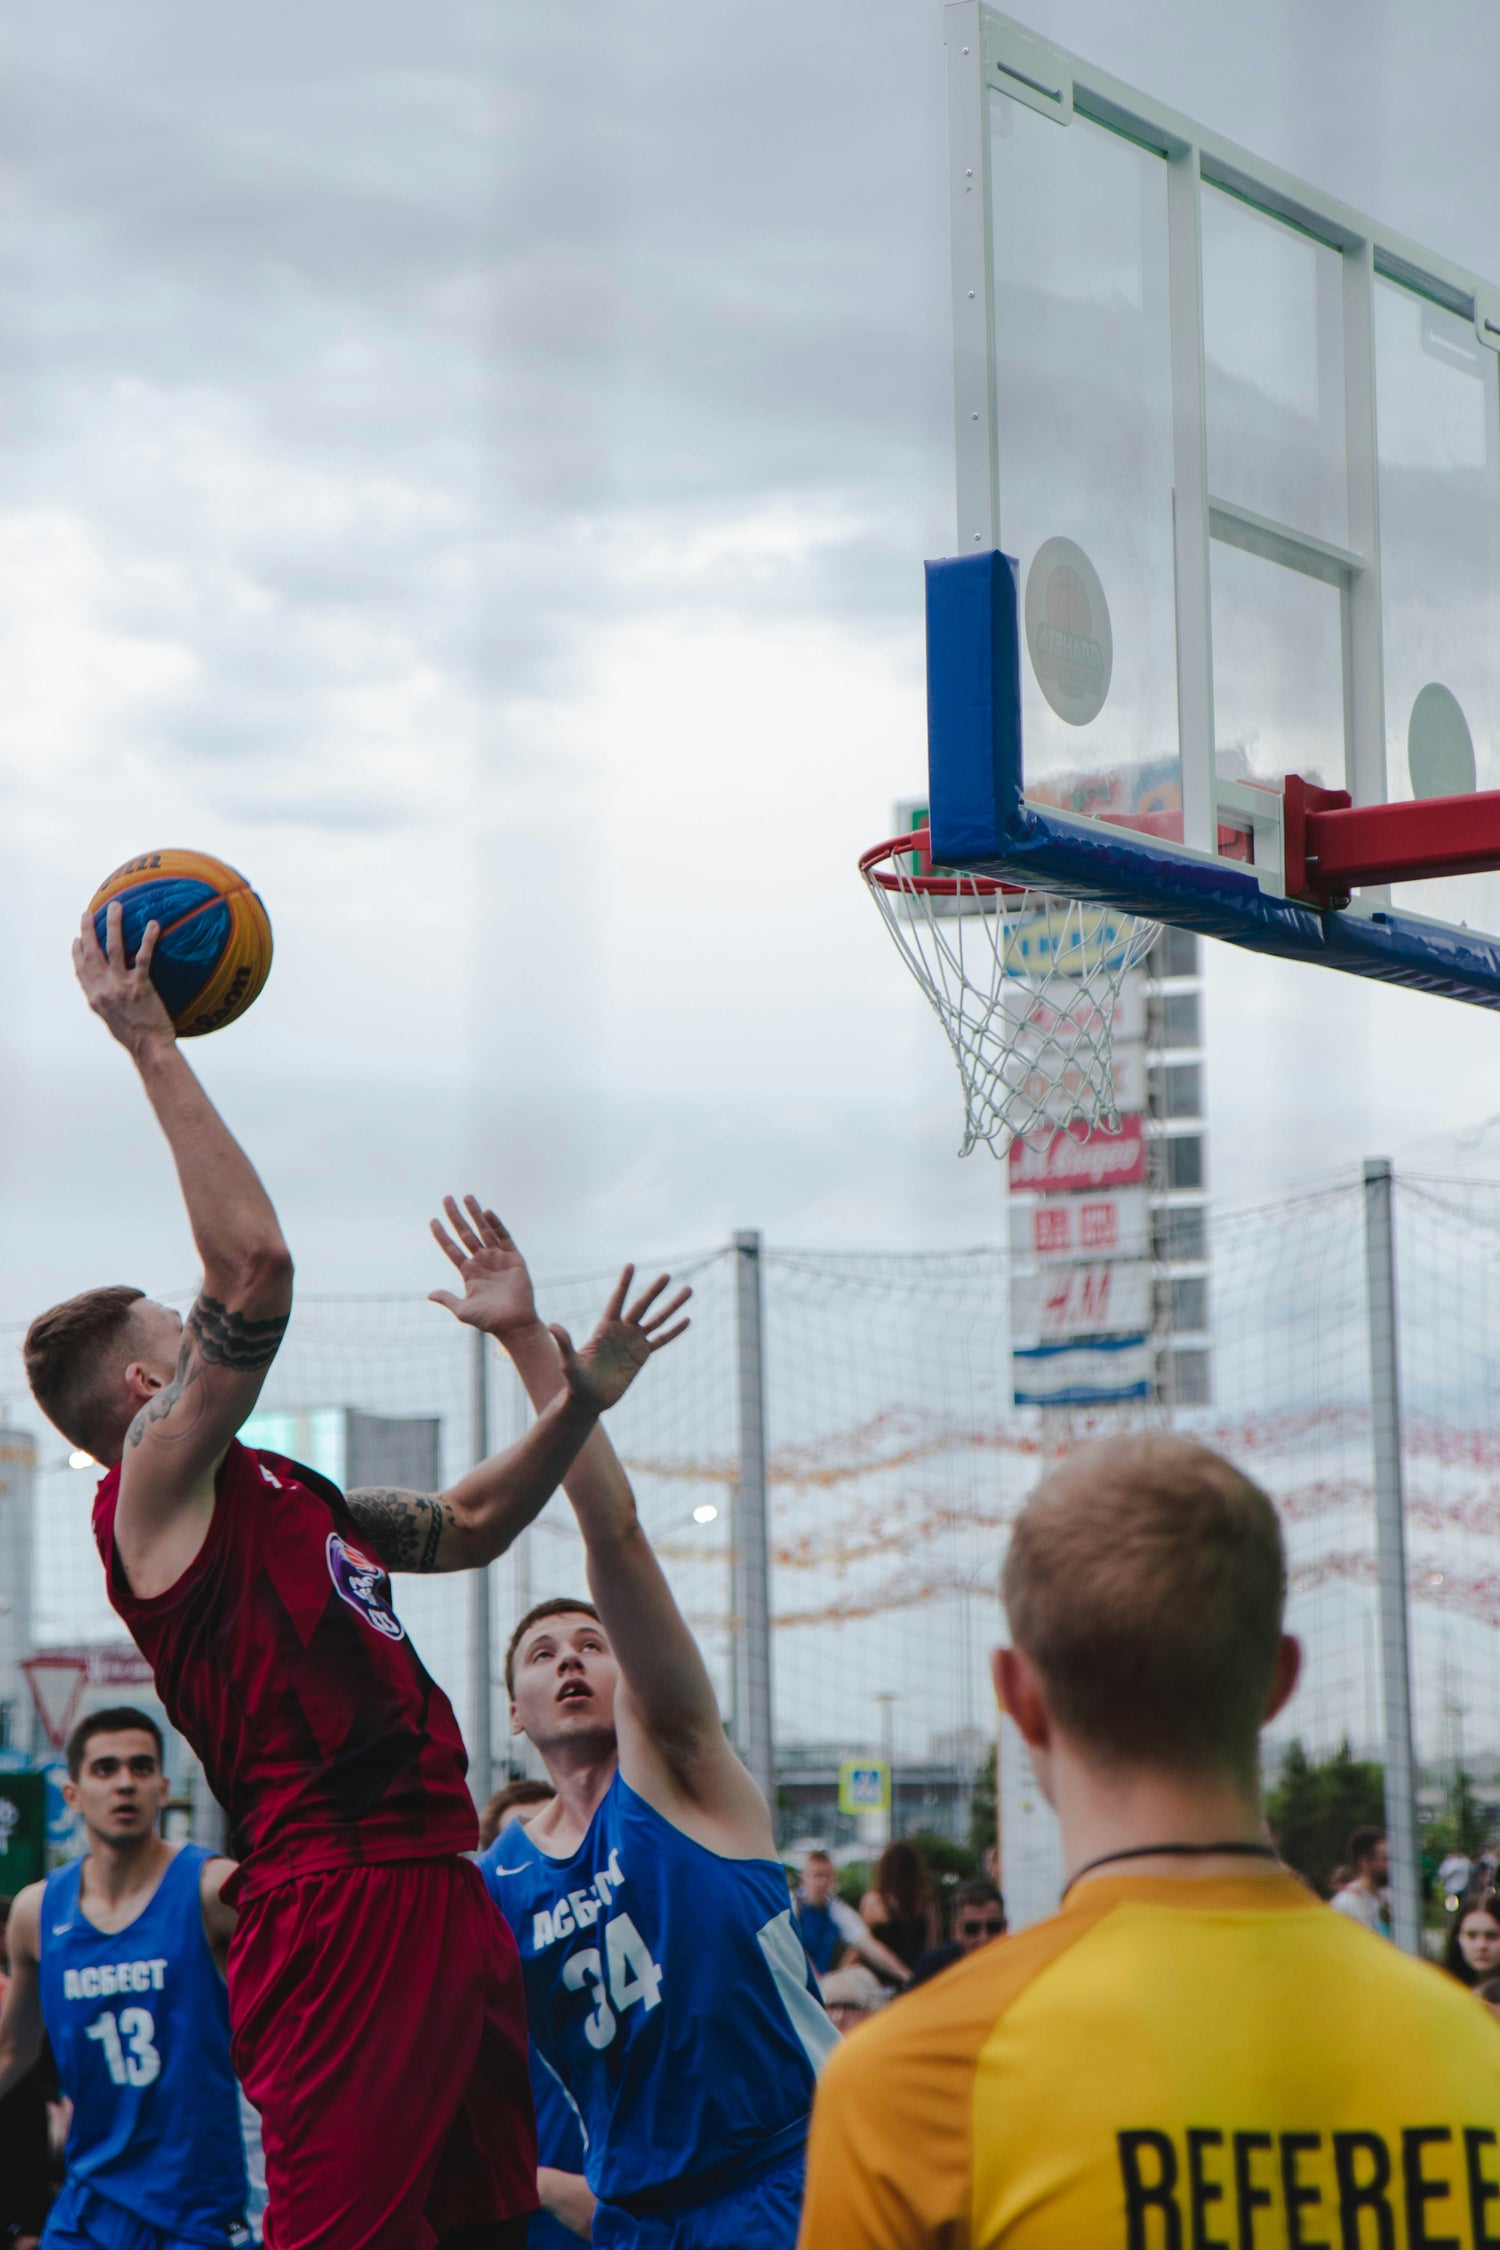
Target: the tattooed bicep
pixel 405 1528
pixel 231 1339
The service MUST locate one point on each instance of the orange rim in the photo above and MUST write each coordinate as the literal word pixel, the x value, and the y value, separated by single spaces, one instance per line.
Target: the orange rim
pixel 933 886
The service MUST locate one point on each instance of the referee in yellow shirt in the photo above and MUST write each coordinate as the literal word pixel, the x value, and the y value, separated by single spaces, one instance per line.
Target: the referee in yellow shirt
pixel 1194 2053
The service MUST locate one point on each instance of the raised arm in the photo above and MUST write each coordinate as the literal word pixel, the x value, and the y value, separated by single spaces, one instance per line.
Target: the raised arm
pixel 21 2017
pixel 476 1519
pixel 673 1748
pixel 231 1335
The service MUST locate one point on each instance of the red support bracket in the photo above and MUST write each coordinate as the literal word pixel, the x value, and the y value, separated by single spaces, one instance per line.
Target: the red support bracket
pixel 1302 803
pixel 1333 846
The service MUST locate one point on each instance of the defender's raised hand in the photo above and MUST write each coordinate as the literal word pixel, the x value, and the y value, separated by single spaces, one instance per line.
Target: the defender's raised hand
pixel 497 1288
pixel 620 1346
pixel 124 997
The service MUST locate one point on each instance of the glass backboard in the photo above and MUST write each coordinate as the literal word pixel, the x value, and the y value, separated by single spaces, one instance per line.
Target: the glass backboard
pixel 1229 510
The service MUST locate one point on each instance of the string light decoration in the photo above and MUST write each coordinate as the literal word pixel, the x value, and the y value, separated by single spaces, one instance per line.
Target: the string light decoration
pixel 898 1464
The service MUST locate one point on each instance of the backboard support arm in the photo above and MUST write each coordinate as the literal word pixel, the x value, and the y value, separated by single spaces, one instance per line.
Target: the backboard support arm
pixel 1334 847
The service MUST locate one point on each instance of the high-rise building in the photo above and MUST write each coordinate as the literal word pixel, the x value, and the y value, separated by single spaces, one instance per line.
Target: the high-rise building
pixel 1110 1288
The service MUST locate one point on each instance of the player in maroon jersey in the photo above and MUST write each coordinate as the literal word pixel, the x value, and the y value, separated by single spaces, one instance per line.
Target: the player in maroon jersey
pixel 375 1997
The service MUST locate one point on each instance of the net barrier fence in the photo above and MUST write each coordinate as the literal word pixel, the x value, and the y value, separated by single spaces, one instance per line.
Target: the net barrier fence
pixel 897 1462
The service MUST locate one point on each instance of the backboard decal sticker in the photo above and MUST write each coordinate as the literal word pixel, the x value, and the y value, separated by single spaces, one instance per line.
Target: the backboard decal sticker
pixel 1068 632
pixel 1439 746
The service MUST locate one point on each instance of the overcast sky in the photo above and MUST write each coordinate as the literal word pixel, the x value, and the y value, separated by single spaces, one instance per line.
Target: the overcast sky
pixel 471 467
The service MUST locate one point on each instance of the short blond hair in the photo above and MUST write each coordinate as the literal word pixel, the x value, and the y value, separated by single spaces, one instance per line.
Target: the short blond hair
pixel 1146 1581
pixel 76 1355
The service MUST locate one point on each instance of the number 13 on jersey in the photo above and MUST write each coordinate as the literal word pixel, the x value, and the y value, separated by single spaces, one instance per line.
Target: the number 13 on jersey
pixel 134 2031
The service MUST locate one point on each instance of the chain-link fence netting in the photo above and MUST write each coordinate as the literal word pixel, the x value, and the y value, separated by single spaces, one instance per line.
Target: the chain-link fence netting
pixel 897 1462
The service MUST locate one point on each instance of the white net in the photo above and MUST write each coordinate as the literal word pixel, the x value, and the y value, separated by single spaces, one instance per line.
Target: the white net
pixel 1025 985
pixel 898 1462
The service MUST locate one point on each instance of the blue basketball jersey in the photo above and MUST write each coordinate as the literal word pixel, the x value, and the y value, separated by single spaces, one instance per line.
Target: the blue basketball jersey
pixel 559 2145
pixel 669 1991
pixel 139 2025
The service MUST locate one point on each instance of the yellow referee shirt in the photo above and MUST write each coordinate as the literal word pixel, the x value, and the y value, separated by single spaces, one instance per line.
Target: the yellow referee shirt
pixel 1209 2064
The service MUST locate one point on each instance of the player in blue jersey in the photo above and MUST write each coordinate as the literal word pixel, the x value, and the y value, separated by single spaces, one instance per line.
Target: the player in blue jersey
pixel 119 1957
pixel 666 1986
pixel 566 2217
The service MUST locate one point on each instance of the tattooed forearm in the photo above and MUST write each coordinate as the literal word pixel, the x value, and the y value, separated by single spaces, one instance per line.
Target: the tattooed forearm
pixel 229 1339
pixel 405 1528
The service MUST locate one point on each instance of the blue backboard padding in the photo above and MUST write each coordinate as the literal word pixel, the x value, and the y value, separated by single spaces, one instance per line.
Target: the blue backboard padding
pixel 974 699
pixel 980 820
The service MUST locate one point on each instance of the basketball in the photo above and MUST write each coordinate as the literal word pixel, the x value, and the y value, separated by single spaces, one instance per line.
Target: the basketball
pixel 214 951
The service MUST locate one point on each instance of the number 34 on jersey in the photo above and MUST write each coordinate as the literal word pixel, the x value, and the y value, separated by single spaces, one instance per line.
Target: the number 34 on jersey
pixel 622 1974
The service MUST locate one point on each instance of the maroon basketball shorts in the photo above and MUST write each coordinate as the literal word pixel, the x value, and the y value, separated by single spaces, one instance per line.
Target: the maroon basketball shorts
pixel 379 2026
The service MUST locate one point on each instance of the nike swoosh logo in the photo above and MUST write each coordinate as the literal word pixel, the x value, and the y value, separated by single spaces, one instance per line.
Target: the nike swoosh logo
pixel 61 1929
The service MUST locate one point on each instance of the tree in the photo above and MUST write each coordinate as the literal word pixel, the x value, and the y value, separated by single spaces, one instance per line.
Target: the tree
pixel 984 1810
pixel 1316 1804
pixel 1461 1825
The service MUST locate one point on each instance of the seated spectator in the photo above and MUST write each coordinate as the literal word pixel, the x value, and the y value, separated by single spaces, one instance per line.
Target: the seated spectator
pixel 1363 1897
pixel 516 1801
pixel 978 1916
pixel 901 1906
pixel 1489 1993
pixel 852 1996
pixel 826 1925
pixel 1473 1950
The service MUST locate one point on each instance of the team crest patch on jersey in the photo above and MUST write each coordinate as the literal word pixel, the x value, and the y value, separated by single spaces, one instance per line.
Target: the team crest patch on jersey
pixel 363 1585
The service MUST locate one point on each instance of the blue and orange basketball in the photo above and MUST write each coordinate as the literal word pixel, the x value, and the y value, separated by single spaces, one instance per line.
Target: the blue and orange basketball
pixel 214 951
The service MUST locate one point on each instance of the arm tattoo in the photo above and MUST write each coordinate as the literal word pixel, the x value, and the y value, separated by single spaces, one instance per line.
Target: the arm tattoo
pixel 404 1528
pixel 229 1339
pixel 213 1337
pixel 161 1406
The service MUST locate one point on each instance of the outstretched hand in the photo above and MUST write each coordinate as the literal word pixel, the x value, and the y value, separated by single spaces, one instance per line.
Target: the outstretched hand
pixel 601 1374
pixel 497 1287
pixel 124 997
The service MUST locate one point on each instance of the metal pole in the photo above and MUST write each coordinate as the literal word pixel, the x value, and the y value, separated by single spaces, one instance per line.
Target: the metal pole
pixel 482 1758
pixel 517 1749
pixel 887 1702
pixel 750 1529
pixel 1390 1547
pixel 17 1544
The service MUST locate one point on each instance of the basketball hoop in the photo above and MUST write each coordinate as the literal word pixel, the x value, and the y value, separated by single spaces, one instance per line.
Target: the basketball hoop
pixel 1024 983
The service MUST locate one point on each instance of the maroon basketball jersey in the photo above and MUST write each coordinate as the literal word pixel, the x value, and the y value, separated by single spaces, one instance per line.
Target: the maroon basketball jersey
pixel 278 1655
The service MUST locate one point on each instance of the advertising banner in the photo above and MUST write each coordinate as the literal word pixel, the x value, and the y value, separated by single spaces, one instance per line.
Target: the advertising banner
pixel 1130 1076
pixel 1109 1299
pixel 1096 1162
pixel 1103 1372
pixel 1082 1226
pixel 23 1830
